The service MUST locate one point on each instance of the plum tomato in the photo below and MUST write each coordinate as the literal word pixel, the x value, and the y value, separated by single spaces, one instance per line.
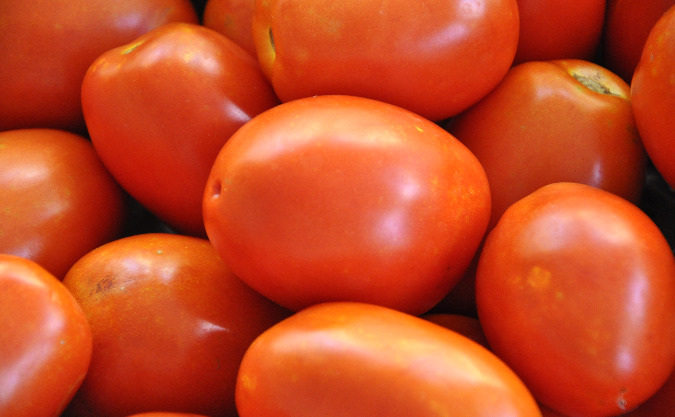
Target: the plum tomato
pixel 575 289
pixel 49 44
pixel 653 95
pixel 334 198
pixel 433 57
pixel 160 108
pixel 352 359
pixel 232 18
pixel 45 342
pixel 559 29
pixel 170 324
pixel 551 121
pixel 57 200
pixel 627 25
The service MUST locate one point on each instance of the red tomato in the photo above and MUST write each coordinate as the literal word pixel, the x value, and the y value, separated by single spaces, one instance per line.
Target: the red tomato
pixel 653 93
pixel 559 29
pixel 627 25
pixel 575 289
pixel 233 19
pixel 160 108
pixel 464 325
pixel 57 200
pixel 336 198
pixel 350 359
pixel 660 404
pixel 170 325
pixel 433 57
pixel 45 342
pixel 542 125
pixel 49 44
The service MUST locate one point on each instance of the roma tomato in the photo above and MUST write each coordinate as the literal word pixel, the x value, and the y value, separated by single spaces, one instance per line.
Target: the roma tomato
pixel 170 325
pixel 435 57
pixel 160 108
pixel 232 18
pixel 565 120
pixel 575 290
pixel 627 25
pixel 57 200
pixel 45 342
pixel 345 198
pixel 49 44
pixel 660 404
pixel 361 360
pixel 653 93
pixel 559 29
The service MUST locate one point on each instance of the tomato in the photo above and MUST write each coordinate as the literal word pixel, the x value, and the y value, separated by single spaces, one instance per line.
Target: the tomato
pixel 57 200
pixel 575 290
pixel 660 404
pixel 464 325
pixel 542 125
pixel 627 25
pixel 334 198
pixel 160 108
pixel 559 29
pixel 49 44
pixel 232 18
pixel 170 325
pixel 353 359
pixel 45 343
pixel 653 93
pixel 434 58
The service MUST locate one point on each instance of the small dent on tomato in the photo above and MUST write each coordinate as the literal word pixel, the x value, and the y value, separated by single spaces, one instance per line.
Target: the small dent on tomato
pixel 129 49
pixel 216 189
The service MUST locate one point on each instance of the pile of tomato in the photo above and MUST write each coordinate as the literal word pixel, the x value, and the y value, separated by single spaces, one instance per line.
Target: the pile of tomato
pixel 284 208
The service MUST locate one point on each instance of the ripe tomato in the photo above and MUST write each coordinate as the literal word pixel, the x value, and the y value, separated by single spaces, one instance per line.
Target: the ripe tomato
pixel 45 342
pixel 160 108
pixel 559 29
pixel 660 404
pixel 57 200
pixel 344 198
pixel 166 414
pixel 575 290
pixel 49 44
pixel 232 18
pixel 627 25
pixel 542 125
pixel 170 325
pixel 434 57
pixel 350 359
pixel 653 93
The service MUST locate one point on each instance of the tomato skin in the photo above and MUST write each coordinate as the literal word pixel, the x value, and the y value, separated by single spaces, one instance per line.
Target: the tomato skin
pixel 58 200
pixel 167 102
pixel 559 29
pixel 354 359
pixel 49 44
pixel 434 58
pixel 627 25
pixel 653 95
pixel 45 343
pixel 335 198
pixel 170 323
pixel 232 18
pixel 575 290
pixel 540 125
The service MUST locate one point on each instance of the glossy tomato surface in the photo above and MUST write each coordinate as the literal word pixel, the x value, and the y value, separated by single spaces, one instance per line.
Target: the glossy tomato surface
pixel 160 108
pixel 361 360
pixel 575 291
pixel 45 342
pixel 434 58
pixel 344 198
pixel 559 29
pixel 232 18
pixel 653 93
pixel 57 200
pixel 49 44
pixel 170 325
pixel 565 120
pixel 627 25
